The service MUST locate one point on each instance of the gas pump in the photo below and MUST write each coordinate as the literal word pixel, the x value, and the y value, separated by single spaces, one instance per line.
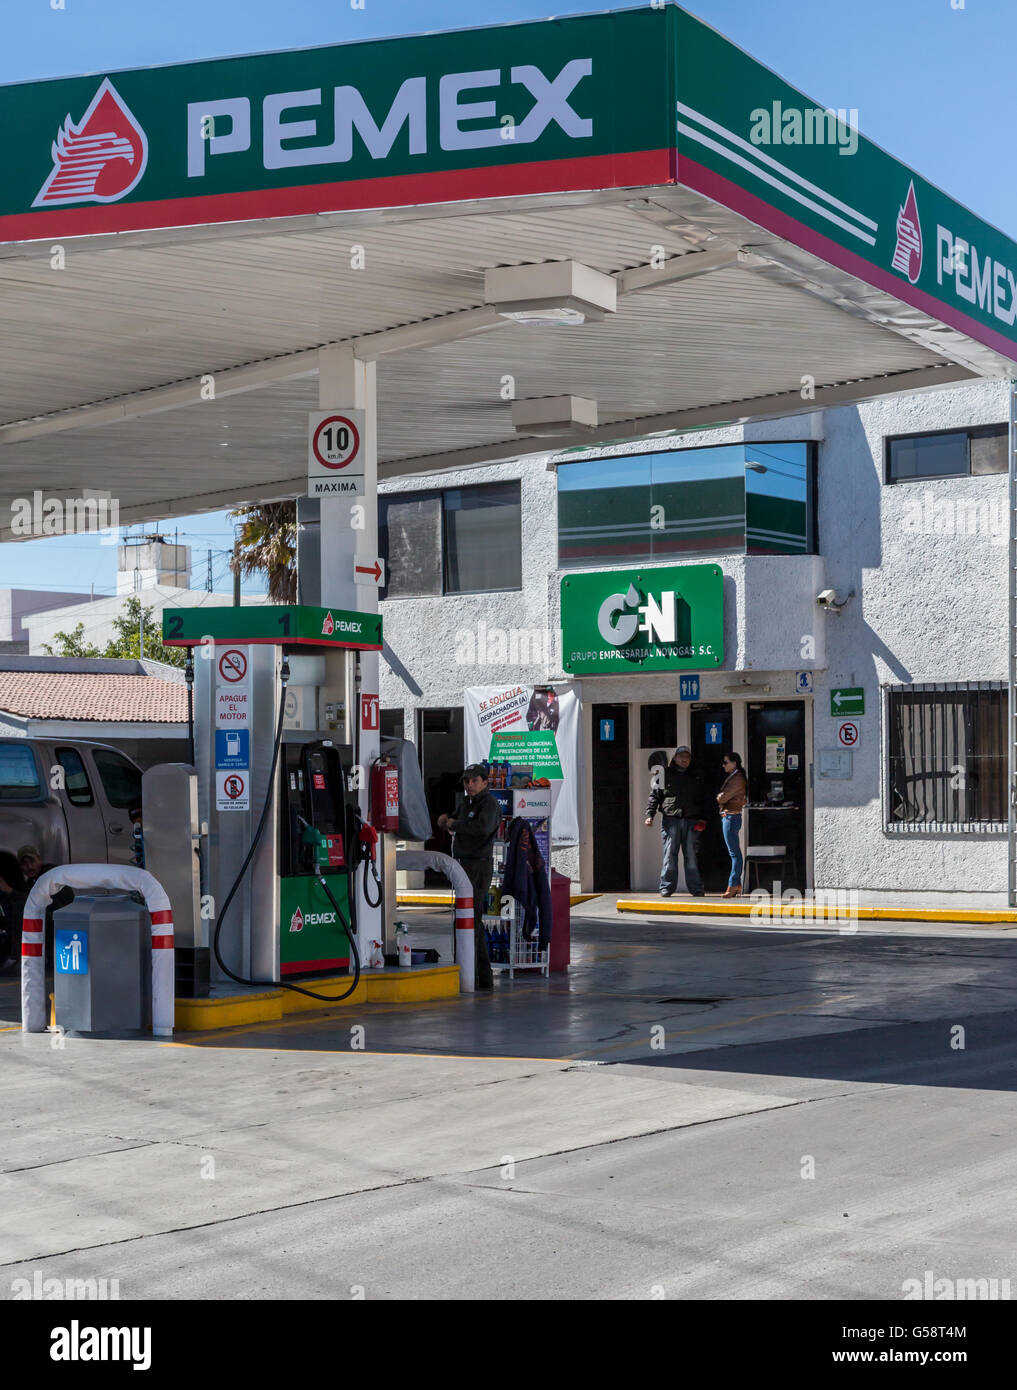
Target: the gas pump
pixel 278 789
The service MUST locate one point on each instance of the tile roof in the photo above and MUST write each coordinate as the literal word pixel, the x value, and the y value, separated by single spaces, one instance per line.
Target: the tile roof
pixel 75 695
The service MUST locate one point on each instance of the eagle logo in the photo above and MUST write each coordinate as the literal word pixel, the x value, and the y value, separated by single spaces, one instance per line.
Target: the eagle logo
pixel 907 255
pixel 98 159
pixel 297 921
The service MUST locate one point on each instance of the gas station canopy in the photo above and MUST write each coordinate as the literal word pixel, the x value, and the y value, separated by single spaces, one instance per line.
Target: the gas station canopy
pixel 176 243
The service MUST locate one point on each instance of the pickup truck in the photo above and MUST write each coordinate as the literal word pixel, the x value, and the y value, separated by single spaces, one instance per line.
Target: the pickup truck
pixel 69 798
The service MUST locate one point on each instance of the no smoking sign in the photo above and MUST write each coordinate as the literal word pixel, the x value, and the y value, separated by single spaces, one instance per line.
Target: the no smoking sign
pixel 335 452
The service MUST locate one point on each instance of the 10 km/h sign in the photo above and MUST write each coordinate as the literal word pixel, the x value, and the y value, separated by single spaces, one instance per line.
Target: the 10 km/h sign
pixel 335 452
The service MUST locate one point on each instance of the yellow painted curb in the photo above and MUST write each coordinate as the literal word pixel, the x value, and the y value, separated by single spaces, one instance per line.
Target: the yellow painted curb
pixel 393 986
pixel 829 912
pixel 440 899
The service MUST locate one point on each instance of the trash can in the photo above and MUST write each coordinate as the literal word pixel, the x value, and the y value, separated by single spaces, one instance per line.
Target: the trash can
pixel 561 931
pixel 102 967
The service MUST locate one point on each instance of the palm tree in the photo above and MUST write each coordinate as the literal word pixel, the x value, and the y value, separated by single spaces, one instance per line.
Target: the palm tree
pixel 267 544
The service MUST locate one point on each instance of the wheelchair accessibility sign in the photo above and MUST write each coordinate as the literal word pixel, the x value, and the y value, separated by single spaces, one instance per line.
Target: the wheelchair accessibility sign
pixel 70 951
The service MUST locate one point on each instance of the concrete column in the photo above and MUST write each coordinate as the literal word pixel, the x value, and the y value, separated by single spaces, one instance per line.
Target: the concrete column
pixel 349 532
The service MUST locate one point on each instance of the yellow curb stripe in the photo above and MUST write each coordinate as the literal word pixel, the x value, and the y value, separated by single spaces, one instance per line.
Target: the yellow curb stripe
pixel 442 899
pixel 385 987
pixel 810 912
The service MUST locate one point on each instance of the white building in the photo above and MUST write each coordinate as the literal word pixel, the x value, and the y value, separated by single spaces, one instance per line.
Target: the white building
pixel 872 725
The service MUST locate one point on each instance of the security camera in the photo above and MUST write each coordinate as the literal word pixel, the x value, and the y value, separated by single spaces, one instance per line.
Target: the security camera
pixel 827 598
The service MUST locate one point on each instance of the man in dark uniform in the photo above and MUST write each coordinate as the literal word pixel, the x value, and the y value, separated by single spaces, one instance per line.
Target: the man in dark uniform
pixel 474 823
pixel 677 793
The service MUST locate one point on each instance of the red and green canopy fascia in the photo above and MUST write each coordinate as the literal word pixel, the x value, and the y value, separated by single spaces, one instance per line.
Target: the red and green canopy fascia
pixel 631 99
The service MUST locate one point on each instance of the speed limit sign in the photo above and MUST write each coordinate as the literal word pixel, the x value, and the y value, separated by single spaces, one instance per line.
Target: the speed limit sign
pixel 335 452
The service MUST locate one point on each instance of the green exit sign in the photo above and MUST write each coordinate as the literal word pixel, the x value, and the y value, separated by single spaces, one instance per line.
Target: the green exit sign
pixel 847 699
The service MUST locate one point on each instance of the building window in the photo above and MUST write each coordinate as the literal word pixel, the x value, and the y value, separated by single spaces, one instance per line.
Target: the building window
pixel 947 763
pixel 947 454
pixel 746 499
pixel 463 540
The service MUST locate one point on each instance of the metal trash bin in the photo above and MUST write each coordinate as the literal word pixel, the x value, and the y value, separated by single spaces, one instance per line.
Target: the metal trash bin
pixel 102 967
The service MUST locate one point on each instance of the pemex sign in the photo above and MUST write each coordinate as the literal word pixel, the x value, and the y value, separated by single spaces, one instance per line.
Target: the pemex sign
pixel 632 99
pixel 521 108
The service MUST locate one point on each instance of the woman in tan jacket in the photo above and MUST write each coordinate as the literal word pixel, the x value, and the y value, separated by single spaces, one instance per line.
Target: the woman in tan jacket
pixel 731 799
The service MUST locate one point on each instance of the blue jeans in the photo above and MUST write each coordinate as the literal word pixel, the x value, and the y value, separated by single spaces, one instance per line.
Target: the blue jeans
pixel 731 826
pixel 675 832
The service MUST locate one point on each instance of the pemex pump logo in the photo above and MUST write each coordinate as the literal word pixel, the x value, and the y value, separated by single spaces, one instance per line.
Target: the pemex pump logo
pixel 98 159
pixel 297 921
pixel 907 256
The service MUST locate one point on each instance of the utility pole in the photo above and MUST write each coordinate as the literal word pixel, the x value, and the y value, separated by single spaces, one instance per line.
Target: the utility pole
pixel 141 632
pixel 208 575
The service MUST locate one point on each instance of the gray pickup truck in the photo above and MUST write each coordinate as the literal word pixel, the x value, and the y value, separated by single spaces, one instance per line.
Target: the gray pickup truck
pixel 72 801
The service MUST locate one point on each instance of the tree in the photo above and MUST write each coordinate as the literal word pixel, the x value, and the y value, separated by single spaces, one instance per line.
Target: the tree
pixel 267 544
pixel 125 641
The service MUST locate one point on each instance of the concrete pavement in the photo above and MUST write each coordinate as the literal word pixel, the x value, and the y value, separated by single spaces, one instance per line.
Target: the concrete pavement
pixel 697 1110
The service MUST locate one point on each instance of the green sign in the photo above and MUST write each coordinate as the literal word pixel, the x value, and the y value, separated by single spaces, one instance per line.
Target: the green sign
pixel 537 749
pixel 310 935
pixel 511 109
pixel 847 700
pixel 634 99
pixel 289 624
pixel 759 146
pixel 669 618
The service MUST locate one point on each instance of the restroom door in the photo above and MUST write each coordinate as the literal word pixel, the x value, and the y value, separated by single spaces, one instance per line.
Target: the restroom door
pixel 778 784
pixel 711 739
pixel 610 797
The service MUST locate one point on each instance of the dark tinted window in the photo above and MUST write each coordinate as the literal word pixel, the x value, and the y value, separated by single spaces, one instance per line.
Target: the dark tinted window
pixel 19 777
pixel 121 780
pixel 76 784
pixel 949 454
pixel 658 726
pixel 483 538
pixel 661 506
pixel 409 535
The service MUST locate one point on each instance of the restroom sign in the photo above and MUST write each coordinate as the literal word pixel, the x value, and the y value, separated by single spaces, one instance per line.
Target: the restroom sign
pixel 714 733
pixel 848 734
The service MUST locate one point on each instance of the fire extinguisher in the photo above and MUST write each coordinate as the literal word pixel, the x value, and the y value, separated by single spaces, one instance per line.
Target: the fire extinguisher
pixel 384 812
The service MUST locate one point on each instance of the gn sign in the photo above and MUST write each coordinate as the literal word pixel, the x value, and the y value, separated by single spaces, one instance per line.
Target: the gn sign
pixel 669 618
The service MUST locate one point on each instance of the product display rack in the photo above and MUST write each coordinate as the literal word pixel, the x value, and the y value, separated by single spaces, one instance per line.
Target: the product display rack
pixel 516 952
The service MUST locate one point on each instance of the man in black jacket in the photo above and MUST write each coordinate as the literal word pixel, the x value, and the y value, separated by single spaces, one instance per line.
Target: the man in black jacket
pixel 678 794
pixel 474 823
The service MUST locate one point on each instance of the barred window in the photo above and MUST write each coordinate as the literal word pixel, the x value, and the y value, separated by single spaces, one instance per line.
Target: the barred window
pixel 947 757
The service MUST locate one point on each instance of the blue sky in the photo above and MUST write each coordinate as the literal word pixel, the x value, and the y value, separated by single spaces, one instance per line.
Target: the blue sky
pixel 931 80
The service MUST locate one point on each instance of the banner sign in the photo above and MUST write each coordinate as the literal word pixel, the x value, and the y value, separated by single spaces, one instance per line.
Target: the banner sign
pixel 526 727
pixel 291 624
pixel 668 618
pixel 637 98
pixel 509 109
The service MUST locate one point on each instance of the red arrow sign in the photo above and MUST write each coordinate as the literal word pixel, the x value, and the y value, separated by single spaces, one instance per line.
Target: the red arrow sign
pixel 373 570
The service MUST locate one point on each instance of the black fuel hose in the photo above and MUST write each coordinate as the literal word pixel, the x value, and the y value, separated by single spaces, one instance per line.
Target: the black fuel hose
pixel 221 916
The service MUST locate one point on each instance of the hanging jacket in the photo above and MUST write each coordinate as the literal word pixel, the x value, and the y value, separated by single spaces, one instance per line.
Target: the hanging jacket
pixel 524 878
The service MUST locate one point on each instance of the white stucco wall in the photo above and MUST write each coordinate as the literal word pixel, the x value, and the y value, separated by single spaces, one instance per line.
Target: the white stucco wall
pixel 927 562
